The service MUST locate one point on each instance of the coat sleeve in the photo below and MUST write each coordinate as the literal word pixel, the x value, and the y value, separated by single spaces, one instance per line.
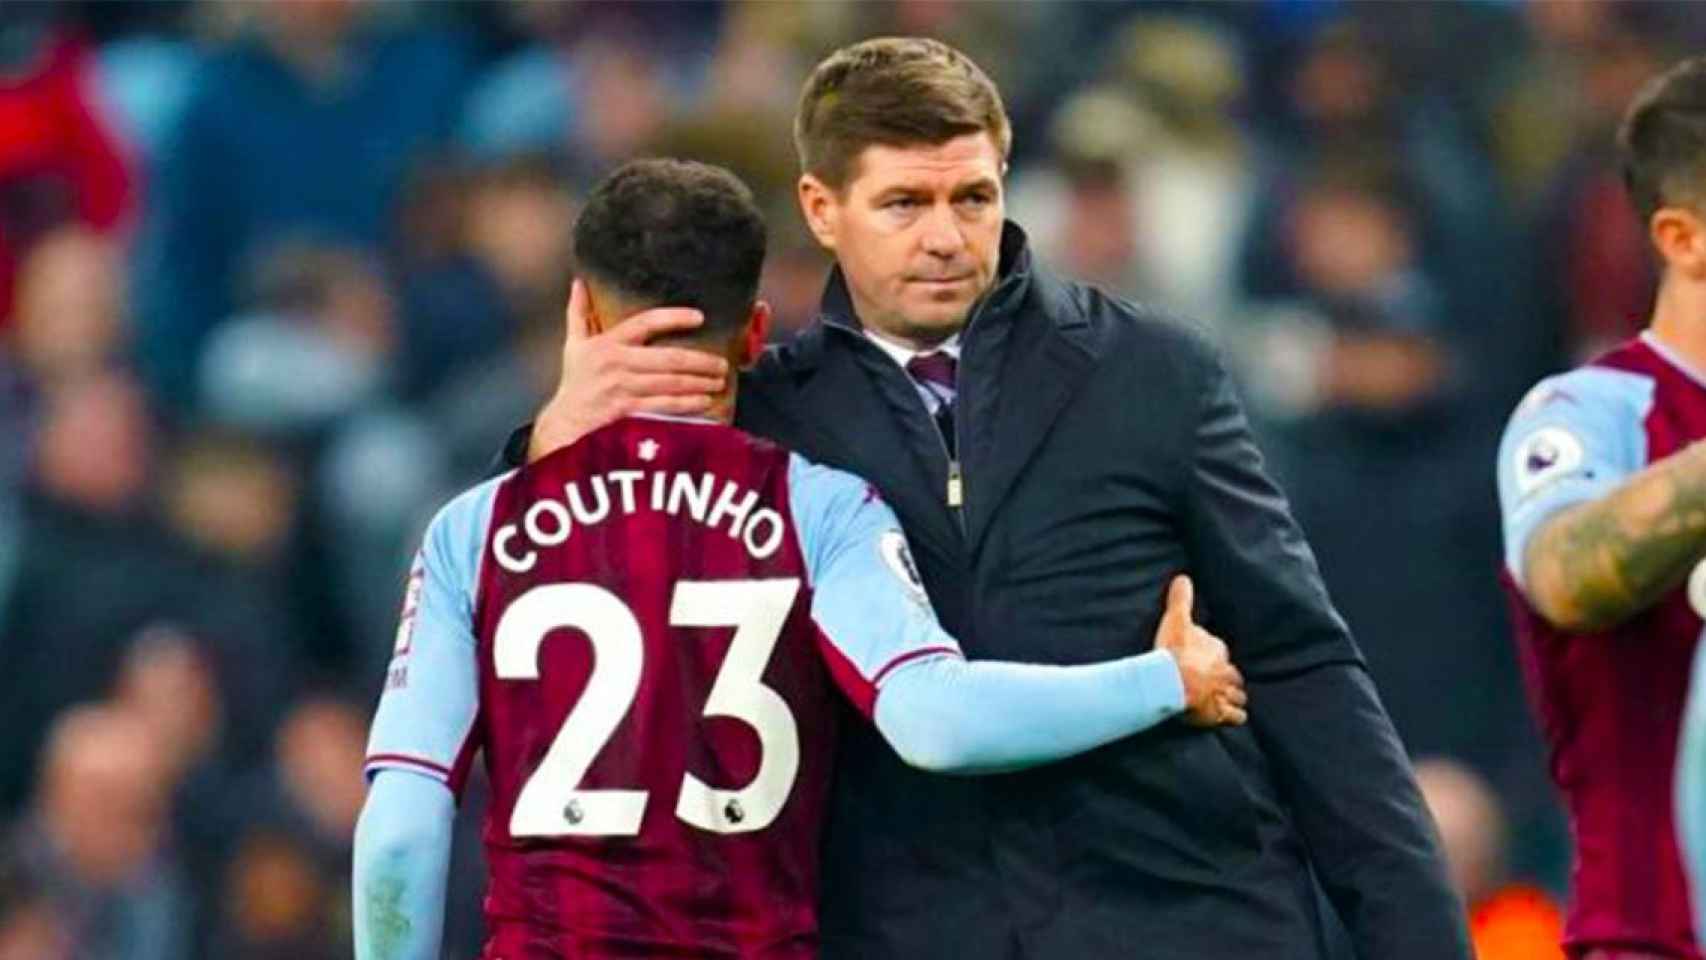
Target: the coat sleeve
pixel 1336 757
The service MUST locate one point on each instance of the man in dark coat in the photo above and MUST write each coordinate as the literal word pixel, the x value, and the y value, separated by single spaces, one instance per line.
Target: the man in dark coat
pixel 1055 456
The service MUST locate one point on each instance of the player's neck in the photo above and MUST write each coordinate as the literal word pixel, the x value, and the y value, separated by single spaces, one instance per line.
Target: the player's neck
pixel 723 407
pixel 1679 320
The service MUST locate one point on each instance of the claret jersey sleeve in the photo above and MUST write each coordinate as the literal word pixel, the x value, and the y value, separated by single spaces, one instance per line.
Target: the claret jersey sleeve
pixel 427 713
pixel 1574 438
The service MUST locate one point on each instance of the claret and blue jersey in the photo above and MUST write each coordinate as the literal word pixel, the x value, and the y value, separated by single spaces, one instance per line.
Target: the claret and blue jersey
pixel 650 636
pixel 1610 703
pixel 630 631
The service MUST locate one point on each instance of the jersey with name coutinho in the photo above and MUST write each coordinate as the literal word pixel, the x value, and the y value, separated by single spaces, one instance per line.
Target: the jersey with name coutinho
pixel 1611 702
pixel 643 633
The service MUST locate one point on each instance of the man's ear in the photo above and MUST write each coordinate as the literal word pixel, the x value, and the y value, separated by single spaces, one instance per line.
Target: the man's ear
pixel 594 310
pixel 757 333
pixel 821 206
pixel 1680 236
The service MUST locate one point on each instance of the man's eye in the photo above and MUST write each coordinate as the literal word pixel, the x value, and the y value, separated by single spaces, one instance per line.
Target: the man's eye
pixel 901 203
pixel 977 199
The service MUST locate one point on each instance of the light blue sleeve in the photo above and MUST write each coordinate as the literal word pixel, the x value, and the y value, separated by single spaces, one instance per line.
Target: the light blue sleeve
pixel 1691 787
pixel 949 715
pixel 868 598
pixel 401 868
pixel 937 710
pixel 430 705
pixel 1574 438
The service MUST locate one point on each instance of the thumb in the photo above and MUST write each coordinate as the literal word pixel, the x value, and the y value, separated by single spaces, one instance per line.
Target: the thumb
pixel 1180 595
pixel 577 312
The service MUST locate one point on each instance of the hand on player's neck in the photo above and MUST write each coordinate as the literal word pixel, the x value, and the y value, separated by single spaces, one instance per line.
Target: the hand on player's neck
pixel 605 304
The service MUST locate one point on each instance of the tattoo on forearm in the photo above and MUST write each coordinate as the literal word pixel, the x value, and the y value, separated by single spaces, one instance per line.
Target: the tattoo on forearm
pixel 1604 561
pixel 388 925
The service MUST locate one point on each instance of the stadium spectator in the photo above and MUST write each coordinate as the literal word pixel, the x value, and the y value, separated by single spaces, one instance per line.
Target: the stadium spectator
pixel 593 88
pixel 98 843
pixel 233 506
pixel 453 312
pixel 1343 101
pixel 70 312
pixel 287 879
pixel 1150 185
pixel 1507 921
pixel 96 566
pixel 60 162
pixel 305 127
pixel 1084 205
pixel 519 221
pixel 81 524
pixel 1367 379
pixel 29 927
pixel 316 349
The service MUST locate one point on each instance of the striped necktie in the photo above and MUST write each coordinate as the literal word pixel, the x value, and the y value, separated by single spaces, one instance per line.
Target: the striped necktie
pixel 936 371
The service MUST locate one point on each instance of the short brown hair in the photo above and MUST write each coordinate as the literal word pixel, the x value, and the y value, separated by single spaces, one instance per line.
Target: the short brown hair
pixel 1663 139
pixel 894 91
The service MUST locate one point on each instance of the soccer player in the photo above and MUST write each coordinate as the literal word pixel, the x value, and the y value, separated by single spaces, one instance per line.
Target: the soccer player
pixel 1603 488
pixel 643 633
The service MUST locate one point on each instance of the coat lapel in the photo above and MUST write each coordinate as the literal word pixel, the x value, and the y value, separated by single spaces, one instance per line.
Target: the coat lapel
pixel 864 425
pixel 1037 367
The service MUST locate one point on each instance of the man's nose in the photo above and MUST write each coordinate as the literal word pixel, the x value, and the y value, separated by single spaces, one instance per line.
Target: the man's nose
pixel 942 236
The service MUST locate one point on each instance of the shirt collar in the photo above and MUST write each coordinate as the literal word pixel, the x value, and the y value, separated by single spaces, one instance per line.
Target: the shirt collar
pixel 904 355
pixel 673 418
pixel 1672 357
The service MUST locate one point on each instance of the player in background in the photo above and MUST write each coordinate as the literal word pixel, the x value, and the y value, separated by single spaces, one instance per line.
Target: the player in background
pixel 643 634
pixel 1603 488
pixel 1684 100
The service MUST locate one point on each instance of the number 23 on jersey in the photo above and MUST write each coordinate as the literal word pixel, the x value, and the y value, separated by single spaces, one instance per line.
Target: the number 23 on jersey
pixel 551 803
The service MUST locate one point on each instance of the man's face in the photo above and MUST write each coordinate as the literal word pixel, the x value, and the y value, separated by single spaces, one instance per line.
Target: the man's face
pixel 917 232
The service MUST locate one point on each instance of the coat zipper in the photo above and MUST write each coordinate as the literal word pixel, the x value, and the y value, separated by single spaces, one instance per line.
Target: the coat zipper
pixel 956 492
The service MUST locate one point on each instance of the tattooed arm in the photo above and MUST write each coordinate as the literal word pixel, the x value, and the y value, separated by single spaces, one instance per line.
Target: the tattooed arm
pixel 1596 564
pixel 1594 532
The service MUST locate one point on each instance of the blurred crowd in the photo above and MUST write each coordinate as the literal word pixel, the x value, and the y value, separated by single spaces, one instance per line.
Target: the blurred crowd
pixel 275 279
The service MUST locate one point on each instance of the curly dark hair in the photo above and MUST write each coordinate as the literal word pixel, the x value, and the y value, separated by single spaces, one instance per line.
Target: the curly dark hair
pixel 661 232
pixel 1663 140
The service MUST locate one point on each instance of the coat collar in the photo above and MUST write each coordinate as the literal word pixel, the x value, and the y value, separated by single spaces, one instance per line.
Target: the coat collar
pixel 1013 278
pixel 1026 349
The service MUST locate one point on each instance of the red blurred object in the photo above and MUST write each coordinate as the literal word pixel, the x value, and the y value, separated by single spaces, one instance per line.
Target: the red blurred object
pixel 59 160
pixel 1517 923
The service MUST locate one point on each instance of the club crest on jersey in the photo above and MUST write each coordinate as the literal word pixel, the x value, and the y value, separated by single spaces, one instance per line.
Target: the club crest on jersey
pixel 1544 456
pixel 1544 395
pixel 649 449
pixel 897 556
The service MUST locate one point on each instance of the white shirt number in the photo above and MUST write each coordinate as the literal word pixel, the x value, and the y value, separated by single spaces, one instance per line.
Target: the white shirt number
pixel 551 804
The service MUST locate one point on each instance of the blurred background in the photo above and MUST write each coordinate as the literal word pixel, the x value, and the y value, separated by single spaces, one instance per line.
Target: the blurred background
pixel 277 278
